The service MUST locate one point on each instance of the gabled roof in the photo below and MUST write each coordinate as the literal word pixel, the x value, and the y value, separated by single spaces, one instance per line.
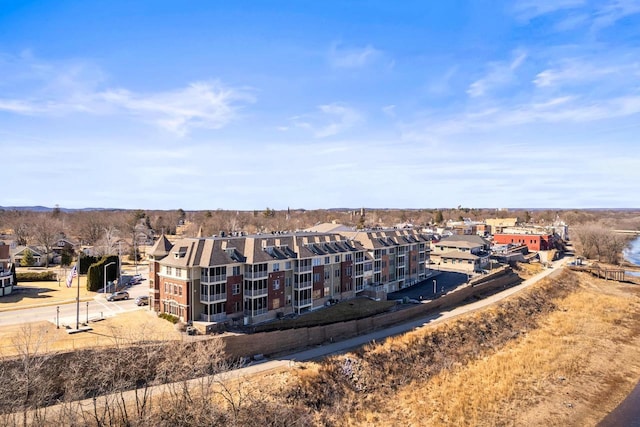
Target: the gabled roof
pixel 161 247
pixel 20 249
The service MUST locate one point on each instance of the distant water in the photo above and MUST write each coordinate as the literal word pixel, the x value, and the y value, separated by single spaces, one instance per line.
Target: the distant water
pixel 632 253
pixel 627 414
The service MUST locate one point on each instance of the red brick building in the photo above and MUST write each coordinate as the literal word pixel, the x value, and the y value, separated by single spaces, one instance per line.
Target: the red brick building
pixel 535 242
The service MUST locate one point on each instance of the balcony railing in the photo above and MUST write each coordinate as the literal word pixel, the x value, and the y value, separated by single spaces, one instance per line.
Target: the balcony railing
pixel 213 279
pixel 213 298
pixel 303 285
pixel 302 302
pixel 262 292
pixel 255 274
pixel 255 312
pixel 303 268
pixel 220 317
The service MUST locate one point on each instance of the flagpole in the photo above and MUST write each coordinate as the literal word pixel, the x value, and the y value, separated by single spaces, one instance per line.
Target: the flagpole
pixel 78 294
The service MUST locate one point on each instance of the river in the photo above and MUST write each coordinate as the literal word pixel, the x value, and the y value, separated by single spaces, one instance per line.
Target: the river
pixel 628 412
pixel 632 254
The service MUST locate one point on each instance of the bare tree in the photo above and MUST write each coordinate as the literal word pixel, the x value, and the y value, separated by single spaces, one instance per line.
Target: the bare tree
pixel 46 231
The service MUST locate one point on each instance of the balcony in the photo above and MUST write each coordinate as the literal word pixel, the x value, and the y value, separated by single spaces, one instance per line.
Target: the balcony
pixel 303 269
pixel 302 303
pixel 213 298
pixel 213 279
pixel 255 274
pixel 253 293
pixel 220 317
pixel 256 312
pixel 303 285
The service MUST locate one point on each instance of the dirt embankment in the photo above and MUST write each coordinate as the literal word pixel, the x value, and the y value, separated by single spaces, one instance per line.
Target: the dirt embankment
pixel 562 352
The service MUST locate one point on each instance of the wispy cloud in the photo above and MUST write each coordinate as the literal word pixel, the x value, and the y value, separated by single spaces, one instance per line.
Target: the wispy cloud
pixel 613 11
pixel 330 120
pixel 576 13
pixel 441 85
pixel 208 105
pixel 565 110
pixel 499 74
pixel 64 89
pixel 574 71
pixel 352 57
pixel 526 10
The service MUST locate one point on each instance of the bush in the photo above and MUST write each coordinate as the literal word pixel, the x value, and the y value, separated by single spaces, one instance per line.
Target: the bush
pixel 36 276
pixel 95 274
pixel 170 317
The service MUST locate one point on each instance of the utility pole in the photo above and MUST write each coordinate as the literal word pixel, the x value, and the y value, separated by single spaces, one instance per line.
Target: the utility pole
pixel 78 295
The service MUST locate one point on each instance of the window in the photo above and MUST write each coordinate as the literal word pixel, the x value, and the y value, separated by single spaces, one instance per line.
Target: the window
pixel 316 277
pixel 236 306
pixel 287 281
pixel 348 257
pixel 180 290
pixel 337 258
pixel 287 265
pixel 276 266
pixel 178 272
pixel 327 260
pixel 327 274
pixel 275 303
pixel 236 270
pixel 169 271
pixel 235 289
pixel 348 271
pixel 317 262
pixel 276 285
pixel 336 273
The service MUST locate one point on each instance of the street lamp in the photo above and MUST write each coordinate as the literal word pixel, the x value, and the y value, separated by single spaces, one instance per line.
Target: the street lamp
pixel 105 277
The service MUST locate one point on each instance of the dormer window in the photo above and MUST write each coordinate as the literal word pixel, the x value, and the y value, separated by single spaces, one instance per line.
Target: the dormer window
pixel 180 253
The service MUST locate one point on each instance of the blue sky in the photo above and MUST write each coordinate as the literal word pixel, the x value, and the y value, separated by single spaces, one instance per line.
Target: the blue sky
pixel 244 105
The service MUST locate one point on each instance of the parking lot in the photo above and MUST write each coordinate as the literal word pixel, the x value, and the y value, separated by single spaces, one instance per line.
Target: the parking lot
pixel 432 287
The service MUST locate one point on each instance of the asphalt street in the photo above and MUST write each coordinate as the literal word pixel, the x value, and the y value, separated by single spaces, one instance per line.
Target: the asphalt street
pixel 93 309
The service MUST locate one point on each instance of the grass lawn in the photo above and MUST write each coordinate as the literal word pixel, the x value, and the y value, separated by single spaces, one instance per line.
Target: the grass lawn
pixel 28 294
pixel 341 312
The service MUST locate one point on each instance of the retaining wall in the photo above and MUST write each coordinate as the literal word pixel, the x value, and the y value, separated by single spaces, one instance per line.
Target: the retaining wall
pixel 293 339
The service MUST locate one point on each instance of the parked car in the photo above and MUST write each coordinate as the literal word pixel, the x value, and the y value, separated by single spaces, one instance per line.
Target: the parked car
pixel 117 296
pixel 142 300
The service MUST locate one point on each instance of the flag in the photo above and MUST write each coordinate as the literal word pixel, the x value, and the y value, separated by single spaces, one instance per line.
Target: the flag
pixel 73 273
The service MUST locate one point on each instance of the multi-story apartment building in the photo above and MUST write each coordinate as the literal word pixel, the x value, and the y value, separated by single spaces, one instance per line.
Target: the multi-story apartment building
pixel 259 277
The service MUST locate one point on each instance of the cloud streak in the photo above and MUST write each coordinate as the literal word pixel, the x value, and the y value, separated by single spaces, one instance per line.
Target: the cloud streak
pixel 64 90
pixel 330 120
pixel 499 74
pixel 343 57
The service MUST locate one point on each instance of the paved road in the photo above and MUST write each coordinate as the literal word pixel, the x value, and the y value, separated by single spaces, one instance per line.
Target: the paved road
pixel 98 307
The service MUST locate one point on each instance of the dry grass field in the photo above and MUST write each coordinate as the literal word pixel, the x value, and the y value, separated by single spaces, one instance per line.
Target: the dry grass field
pixel 570 367
pixel 130 327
